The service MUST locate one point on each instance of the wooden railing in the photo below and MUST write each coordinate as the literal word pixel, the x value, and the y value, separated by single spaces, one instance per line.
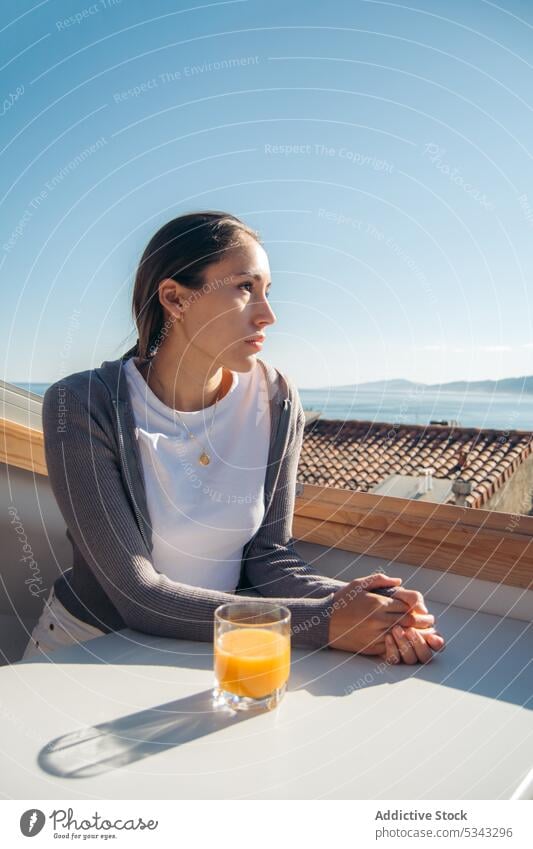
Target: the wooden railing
pixel 475 543
pixel 22 447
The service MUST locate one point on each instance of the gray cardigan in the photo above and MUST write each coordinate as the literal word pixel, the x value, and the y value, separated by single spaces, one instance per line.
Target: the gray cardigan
pixel 95 471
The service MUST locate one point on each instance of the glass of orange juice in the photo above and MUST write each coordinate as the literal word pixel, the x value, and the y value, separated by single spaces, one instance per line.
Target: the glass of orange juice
pixel 252 654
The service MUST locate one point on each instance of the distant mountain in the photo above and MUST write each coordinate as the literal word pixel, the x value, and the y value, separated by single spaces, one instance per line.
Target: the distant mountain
pixel 508 384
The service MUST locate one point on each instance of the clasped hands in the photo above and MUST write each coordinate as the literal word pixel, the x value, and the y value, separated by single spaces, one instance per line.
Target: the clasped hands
pixel 398 628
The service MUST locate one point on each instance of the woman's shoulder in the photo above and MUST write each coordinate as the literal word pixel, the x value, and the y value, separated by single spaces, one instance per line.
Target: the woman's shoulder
pixel 79 397
pixel 99 384
pixel 79 383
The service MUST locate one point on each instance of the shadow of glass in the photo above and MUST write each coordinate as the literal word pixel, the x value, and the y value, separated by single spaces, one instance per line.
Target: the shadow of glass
pixel 101 748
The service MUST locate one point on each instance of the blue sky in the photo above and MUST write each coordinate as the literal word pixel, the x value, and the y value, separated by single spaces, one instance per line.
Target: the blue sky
pixel 383 151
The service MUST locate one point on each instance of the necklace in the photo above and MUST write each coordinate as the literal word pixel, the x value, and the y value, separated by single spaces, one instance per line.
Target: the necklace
pixel 204 459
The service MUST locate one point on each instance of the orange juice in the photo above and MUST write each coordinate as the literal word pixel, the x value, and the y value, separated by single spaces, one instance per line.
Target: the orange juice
pixel 252 662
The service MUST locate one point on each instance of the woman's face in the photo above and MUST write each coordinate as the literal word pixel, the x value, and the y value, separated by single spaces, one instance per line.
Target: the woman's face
pixel 231 307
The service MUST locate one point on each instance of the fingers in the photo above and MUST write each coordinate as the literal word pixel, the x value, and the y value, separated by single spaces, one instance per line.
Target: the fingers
pixel 405 648
pixel 398 607
pixel 412 598
pixel 434 641
pixel 415 620
pixel 432 637
pixel 392 653
pixel 422 650
pixel 414 646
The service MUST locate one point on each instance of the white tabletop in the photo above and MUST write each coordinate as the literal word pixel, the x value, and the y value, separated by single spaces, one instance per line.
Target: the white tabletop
pixel 128 716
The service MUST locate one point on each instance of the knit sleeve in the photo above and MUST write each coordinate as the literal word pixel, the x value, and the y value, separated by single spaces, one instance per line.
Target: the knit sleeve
pixel 271 564
pixel 86 479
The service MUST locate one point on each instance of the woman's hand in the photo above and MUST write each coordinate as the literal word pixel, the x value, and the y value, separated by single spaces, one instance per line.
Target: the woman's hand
pixel 361 618
pixel 412 644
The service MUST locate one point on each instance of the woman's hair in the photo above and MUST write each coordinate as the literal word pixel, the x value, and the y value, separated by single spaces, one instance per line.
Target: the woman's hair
pixel 181 249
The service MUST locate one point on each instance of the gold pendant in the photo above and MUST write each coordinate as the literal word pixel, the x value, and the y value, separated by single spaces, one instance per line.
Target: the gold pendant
pixel 204 459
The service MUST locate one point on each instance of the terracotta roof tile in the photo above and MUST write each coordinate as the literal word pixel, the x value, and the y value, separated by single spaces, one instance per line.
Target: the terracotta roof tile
pixel 358 454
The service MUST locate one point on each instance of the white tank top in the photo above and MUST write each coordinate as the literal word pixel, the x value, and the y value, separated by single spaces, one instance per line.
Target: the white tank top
pixel 202 516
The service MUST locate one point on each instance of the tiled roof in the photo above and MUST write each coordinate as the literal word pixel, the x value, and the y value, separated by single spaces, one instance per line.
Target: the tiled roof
pixel 360 454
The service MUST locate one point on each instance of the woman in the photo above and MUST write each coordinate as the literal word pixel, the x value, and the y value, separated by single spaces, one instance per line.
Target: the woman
pixel 175 468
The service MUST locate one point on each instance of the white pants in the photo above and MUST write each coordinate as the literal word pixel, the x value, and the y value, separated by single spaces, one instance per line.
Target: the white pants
pixel 57 628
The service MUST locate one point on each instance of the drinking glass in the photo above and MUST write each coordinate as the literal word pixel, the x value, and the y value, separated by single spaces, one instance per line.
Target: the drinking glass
pixel 252 654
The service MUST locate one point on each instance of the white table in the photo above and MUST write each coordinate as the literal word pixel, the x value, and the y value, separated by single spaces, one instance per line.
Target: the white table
pixel 129 716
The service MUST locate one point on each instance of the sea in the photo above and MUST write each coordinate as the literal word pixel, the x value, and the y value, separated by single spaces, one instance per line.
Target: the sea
pixel 499 410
